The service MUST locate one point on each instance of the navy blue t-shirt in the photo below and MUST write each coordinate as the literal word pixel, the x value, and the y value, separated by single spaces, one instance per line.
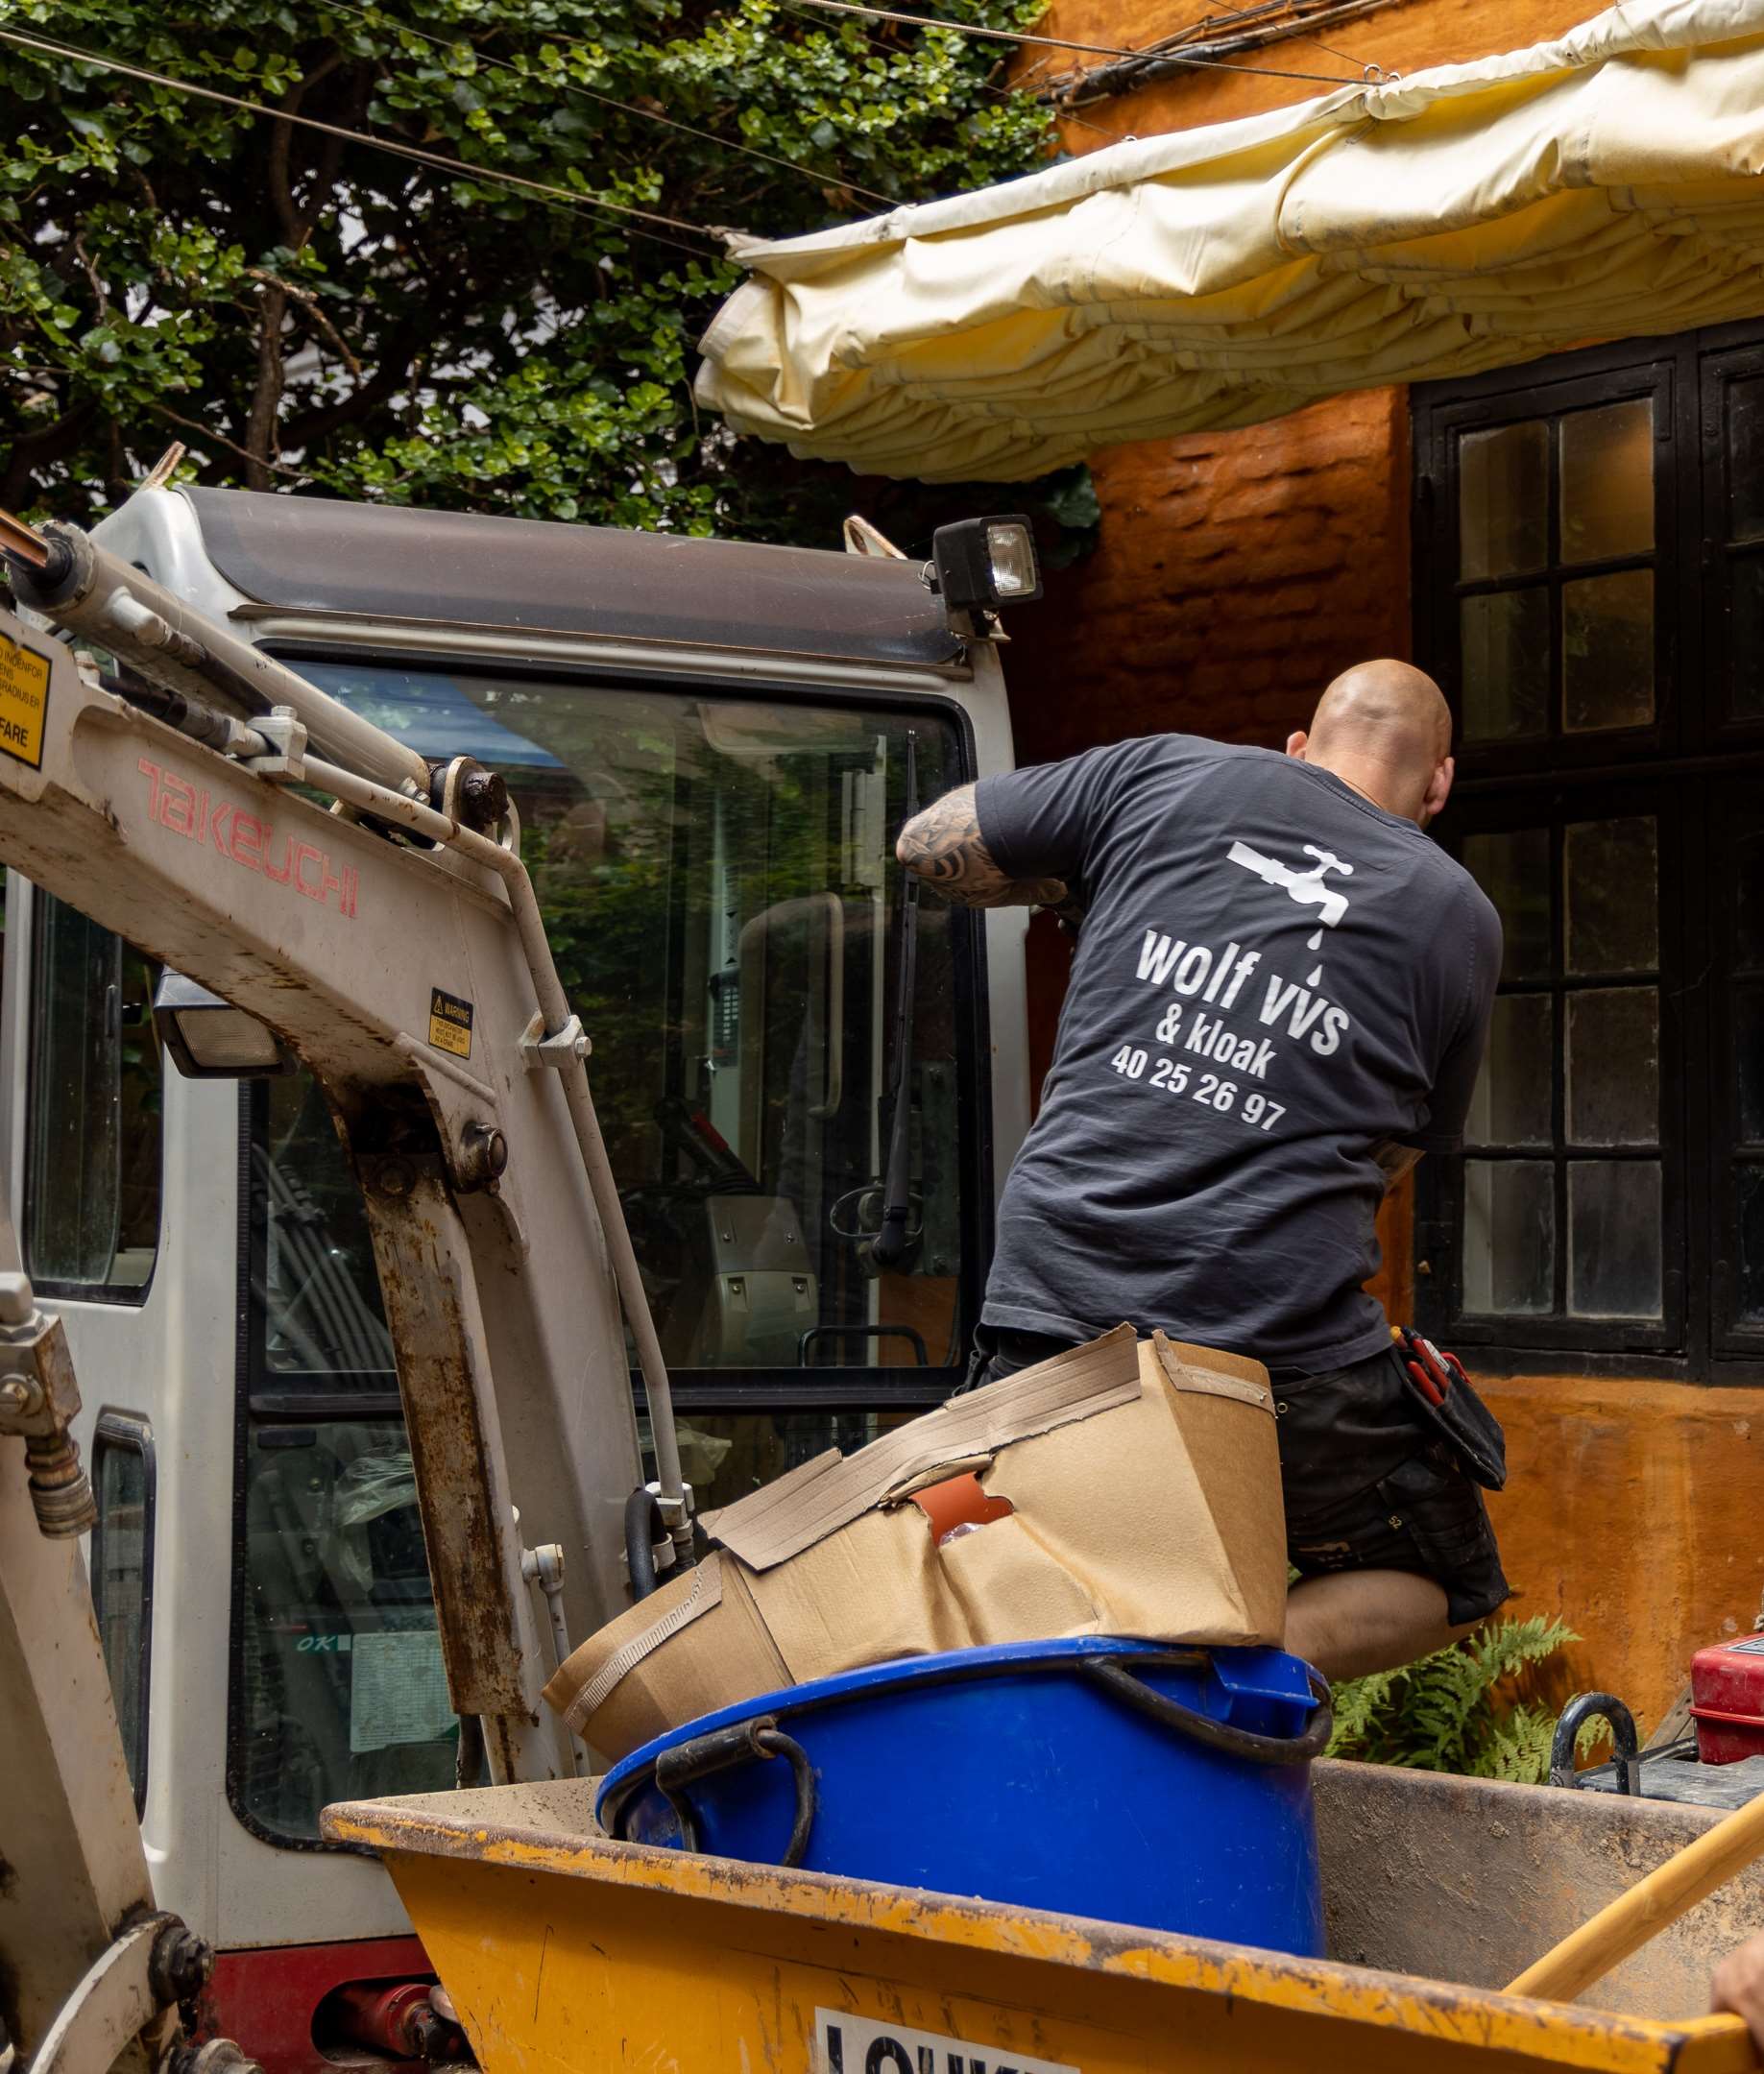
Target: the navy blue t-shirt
pixel 1274 977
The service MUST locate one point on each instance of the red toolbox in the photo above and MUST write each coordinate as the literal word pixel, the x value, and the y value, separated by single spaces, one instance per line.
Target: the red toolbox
pixel 1727 1691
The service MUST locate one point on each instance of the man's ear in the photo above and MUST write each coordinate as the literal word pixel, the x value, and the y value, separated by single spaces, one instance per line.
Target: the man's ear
pixel 1439 788
pixel 1296 744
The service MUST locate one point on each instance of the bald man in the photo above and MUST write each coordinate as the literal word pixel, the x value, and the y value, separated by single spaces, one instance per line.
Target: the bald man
pixel 1278 1003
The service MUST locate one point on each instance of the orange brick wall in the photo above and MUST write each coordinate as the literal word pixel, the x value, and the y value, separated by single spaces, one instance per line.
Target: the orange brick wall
pixel 1239 571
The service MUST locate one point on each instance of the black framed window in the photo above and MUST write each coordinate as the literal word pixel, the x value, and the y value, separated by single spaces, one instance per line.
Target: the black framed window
pixel 124 1486
pixel 1590 591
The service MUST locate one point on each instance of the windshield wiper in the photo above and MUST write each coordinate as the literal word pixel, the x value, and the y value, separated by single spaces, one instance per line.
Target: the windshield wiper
pixel 897 1192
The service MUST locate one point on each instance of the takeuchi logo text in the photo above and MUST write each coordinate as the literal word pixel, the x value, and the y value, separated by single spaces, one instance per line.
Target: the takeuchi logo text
pixel 245 840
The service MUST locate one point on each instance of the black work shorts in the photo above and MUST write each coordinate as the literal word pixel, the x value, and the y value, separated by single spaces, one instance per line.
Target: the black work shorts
pixel 1365 1485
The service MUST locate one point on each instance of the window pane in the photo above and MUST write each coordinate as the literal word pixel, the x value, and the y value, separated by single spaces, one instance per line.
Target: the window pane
pixel 1614 1066
pixel 1611 875
pixel 1607 481
pixel 1746 636
pixel 1749 1189
pixel 1749 1059
pixel 1614 1239
pixel 1503 495
pixel 340 1688
pixel 719 881
pixel 1513 1099
pixel 93 1153
pixel 1504 638
pixel 319 1298
pixel 1514 869
pixel 1746 459
pixel 1509 1237
pixel 122 1561
pixel 1607 651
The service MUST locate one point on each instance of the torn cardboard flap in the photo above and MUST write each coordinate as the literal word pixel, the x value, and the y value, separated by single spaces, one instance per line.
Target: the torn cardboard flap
pixel 822 1496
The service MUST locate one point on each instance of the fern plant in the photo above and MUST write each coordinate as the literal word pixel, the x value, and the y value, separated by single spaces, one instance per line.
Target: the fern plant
pixel 1454 1710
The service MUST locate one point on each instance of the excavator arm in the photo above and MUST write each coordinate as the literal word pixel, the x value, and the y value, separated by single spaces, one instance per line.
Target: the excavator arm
pixel 399 953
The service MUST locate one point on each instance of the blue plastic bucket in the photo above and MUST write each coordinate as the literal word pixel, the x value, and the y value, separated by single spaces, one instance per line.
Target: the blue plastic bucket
pixel 1127 1780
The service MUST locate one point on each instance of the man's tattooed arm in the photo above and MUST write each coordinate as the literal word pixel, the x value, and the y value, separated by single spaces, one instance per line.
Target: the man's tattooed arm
pixel 943 847
pixel 1395 1161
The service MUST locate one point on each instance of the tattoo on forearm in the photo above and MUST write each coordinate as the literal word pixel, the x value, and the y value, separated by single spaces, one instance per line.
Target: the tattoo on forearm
pixel 943 847
pixel 1395 1161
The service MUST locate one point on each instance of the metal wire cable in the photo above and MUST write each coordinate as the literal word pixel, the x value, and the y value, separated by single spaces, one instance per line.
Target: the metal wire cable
pixel 1088 50
pixel 612 101
pixel 581 205
pixel 998 93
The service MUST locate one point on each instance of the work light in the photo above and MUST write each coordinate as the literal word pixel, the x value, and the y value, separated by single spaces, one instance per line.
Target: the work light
pixel 209 1039
pixel 978 564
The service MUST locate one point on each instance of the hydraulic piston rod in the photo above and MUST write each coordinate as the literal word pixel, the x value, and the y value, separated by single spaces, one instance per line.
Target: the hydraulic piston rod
pixel 58 571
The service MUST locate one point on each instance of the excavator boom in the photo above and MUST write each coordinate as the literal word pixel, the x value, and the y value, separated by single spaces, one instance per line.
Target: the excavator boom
pixel 398 953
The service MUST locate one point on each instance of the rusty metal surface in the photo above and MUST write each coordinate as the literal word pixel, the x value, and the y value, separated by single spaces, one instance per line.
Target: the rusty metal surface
pixel 1470 1880
pixel 414 1248
pixel 564 1950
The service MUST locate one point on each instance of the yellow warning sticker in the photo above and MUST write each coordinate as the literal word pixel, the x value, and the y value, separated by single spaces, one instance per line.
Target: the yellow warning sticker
pixel 449 1023
pixel 24 700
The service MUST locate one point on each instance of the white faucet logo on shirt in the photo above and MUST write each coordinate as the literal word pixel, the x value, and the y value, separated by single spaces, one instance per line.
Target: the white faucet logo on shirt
pixel 1307 885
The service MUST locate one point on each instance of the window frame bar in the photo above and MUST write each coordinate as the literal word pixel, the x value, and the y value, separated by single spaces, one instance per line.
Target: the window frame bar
pixel 131 1433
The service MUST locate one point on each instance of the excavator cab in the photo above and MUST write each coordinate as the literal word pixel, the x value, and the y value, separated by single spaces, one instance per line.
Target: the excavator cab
pixel 708 749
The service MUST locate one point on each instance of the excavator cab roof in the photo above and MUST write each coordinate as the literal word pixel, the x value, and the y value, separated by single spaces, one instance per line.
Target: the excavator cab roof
pixel 317 554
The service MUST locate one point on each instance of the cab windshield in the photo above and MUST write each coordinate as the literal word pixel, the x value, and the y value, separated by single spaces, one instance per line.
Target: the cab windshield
pixel 718 881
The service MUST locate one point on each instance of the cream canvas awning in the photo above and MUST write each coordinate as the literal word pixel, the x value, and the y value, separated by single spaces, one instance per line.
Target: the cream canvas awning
pixel 1601 186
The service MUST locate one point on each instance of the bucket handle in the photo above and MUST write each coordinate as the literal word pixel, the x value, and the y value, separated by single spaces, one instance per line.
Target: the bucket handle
pixel 722 1748
pixel 1132 1690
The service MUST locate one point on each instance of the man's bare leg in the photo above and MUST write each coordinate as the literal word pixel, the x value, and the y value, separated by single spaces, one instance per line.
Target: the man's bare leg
pixel 1356 1621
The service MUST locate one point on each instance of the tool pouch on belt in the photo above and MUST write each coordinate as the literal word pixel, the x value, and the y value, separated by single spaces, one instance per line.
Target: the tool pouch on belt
pixel 1462 1421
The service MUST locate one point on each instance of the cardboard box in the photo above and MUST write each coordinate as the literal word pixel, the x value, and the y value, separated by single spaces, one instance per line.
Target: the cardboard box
pixel 1144 1480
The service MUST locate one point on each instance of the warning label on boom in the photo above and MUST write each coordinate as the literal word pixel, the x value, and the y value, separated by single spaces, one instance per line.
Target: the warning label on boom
pixel 449 1023
pixel 24 700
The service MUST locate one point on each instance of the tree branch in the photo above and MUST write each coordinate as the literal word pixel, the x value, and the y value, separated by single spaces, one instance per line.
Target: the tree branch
pixel 48 443
pixel 296 224
pixel 220 439
pixel 266 393
pixel 99 298
pixel 314 309
pixel 386 380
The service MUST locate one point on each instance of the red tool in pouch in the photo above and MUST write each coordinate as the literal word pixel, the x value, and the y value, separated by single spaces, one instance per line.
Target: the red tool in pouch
pixel 1433 1371
pixel 1441 1396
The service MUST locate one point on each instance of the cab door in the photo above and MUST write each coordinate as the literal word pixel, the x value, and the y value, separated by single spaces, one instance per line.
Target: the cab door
pixel 128 1184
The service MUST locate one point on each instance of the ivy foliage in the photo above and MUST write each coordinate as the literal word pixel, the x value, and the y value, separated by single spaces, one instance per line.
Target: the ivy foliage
pixel 307 312
pixel 1465 1709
